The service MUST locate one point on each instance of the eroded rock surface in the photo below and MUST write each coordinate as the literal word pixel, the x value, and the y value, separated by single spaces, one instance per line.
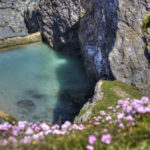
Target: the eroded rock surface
pixel 59 24
pixel 31 20
pixel 12 18
pixel 113 41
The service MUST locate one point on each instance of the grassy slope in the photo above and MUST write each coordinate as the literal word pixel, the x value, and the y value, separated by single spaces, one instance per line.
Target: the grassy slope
pixel 137 137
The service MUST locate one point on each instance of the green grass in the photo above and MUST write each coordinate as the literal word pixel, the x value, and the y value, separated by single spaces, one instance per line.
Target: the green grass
pixel 130 138
pixel 110 94
pixel 146 22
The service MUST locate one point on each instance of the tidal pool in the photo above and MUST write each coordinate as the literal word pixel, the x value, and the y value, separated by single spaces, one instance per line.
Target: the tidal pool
pixel 37 84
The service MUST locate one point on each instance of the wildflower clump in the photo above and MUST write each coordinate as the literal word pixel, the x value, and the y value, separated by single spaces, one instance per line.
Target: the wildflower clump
pixel 99 131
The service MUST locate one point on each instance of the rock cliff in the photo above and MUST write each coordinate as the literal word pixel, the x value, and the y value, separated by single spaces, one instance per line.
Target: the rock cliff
pixel 113 35
pixel 12 18
pixel 58 21
pixel 115 41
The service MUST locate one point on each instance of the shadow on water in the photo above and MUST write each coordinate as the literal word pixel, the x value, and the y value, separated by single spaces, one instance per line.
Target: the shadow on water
pixel 75 89
pixel 70 100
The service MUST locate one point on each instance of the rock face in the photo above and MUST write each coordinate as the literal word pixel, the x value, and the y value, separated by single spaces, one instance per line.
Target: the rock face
pixel 31 16
pixel 97 35
pixel 12 18
pixel 59 24
pixel 114 43
pixel 89 105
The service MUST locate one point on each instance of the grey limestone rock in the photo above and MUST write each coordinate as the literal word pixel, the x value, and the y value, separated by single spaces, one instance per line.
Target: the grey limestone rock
pixel 59 24
pixel 12 18
pixel 31 19
pixel 113 42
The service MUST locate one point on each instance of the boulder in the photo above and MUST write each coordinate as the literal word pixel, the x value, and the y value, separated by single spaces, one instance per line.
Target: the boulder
pixel 26 104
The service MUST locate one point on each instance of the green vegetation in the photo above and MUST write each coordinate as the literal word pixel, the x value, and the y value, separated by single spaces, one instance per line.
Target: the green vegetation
pixel 146 22
pixel 129 138
pixel 113 91
pixel 6 117
pixel 83 110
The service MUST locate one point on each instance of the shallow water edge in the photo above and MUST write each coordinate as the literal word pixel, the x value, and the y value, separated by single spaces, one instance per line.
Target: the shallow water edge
pixel 8 43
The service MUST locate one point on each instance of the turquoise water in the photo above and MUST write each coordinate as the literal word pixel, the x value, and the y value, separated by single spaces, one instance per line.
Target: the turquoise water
pixel 37 83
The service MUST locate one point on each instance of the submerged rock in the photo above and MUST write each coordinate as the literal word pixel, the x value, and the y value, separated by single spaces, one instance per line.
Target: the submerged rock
pixel 26 104
pixel 39 96
pixel 59 24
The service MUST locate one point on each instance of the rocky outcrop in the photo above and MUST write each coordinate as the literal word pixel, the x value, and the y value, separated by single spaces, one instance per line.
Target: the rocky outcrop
pixel 12 18
pixel 58 21
pixel 87 108
pixel 31 19
pixel 97 35
pixel 5 44
pixel 114 43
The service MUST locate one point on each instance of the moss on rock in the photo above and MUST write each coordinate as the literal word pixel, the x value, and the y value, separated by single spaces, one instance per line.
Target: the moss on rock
pixel 146 22
pixel 6 117
pixel 5 44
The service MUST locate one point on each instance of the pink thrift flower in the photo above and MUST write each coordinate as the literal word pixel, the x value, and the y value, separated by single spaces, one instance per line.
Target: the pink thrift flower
pixel 102 112
pixel 44 126
pixel 37 129
pixel 121 125
pixel 13 140
pixel 96 123
pixel 120 102
pixel 66 125
pixel 129 109
pixel 56 126
pixel 21 125
pixel 110 107
pixel 114 110
pixel 129 118
pixel 106 138
pixel 118 106
pixel 26 140
pixel 89 147
pixel 15 132
pixel 120 116
pixel 92 139
pixel 104 130
pixel 145 100
pixel 141 110
pixel 35 137
pixel 108 118
pixel 29 131
pixel 3 142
